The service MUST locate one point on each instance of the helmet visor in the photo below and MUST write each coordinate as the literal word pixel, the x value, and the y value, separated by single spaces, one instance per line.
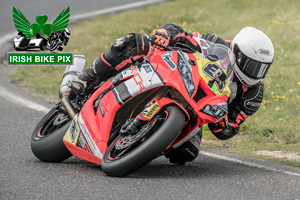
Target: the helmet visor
pixel 251 68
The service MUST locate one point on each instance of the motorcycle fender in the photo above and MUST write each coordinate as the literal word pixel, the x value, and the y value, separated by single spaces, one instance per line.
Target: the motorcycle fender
pixel 166 101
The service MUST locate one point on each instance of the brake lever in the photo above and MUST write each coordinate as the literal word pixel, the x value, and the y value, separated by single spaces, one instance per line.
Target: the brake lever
pixel 186 47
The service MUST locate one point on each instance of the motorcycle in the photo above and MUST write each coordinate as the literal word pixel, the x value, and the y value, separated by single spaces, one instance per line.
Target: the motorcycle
pixel 144 112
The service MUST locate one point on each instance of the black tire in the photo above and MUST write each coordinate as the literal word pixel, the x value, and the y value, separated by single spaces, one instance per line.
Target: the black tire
pixel 47 137
pixel 149 149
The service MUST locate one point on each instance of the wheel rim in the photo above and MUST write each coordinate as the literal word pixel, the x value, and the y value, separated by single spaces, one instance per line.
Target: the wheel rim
pixel 124 145
pixel 53 123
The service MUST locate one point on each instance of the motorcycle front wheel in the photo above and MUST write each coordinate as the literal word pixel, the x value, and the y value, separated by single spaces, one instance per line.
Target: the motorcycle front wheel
pixel 47 137
pixel 127 153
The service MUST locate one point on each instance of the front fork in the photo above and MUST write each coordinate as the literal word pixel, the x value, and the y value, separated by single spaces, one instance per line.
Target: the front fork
pixel 150 110
pixel 132 125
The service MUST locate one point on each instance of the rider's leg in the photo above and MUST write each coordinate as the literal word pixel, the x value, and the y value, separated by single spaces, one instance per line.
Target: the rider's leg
pixel 124 52
pixel 187 152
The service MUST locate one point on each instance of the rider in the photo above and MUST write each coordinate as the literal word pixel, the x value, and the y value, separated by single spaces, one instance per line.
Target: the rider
pixel 254 53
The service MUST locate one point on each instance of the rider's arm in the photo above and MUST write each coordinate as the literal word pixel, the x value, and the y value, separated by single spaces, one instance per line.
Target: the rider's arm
pixel 243 106
pixel 214 39
pixel 178 35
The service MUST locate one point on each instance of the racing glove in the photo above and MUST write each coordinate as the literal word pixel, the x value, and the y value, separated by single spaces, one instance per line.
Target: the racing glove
pixel 162 37
pixel 219 126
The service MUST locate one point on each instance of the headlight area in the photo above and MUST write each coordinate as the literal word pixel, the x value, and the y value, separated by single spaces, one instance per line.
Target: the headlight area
pixel 216 111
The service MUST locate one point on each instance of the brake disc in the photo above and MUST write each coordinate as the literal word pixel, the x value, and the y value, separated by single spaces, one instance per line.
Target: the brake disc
pixel 127 140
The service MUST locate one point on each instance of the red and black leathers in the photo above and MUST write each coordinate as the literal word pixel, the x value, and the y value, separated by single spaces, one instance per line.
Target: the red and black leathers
pixel 124 52
pixel 243 102
pixel 178 36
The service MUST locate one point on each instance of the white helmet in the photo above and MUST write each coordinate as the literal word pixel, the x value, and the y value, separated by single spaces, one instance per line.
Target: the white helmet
pixel 254 52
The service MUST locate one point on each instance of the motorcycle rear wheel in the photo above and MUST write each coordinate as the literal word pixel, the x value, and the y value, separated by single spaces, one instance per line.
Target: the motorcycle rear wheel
pixel 119 162
pixel 47 137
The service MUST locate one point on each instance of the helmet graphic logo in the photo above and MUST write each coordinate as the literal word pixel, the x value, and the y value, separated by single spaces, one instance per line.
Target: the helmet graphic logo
pixel 265 52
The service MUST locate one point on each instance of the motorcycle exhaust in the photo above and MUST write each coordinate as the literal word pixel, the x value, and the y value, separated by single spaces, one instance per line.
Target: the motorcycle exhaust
pixel 72 72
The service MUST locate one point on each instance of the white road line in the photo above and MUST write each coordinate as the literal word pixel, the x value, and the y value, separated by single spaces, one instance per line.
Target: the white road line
pixel 234 160
pixel 9 37
pixel 14 98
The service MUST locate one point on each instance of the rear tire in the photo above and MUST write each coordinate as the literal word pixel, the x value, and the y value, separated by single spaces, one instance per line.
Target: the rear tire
pixel 122 164
pixel 47 138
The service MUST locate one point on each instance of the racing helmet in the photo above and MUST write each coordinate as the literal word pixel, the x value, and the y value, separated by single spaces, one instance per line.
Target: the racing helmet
pixel 254 54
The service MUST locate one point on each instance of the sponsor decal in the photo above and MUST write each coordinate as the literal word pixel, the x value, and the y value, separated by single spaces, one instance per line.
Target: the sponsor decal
pixel 249 103
pixel 147 68
pixel 212 58
pixel 74 130
pixel 217 75
pixel 255 102
pixel 264 52
pixel 149 111
pixel 88 138
pixel 137 78
pixel 186 74
pixel 81 141
pixel 167 59
pixel 216 111
pixel 153 110
pixel 72 134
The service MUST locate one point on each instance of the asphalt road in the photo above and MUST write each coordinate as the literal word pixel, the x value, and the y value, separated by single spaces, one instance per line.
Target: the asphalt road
pixel 213 175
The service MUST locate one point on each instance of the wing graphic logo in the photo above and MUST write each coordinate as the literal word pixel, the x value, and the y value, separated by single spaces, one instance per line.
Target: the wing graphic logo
pixel 47 36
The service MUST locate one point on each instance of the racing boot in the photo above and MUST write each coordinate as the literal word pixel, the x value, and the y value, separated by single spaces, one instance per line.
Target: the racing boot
pixel 187 152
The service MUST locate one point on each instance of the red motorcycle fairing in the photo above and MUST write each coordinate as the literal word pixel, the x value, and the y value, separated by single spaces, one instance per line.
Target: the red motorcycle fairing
pixel 121 97
pixel 90 126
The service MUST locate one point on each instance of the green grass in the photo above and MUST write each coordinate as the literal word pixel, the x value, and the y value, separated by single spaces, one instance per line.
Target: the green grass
pixel 276 126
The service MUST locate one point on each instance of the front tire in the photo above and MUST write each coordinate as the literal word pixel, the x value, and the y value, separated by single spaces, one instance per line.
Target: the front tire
pixel 47 138
pixel 121 163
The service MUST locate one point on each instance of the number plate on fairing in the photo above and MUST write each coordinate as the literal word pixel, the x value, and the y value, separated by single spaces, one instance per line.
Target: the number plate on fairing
pixel 206 70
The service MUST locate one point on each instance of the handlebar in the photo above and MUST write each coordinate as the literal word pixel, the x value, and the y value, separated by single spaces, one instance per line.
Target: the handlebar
pixel 183 47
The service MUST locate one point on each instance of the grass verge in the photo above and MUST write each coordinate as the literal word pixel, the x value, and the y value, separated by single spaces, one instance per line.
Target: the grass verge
pixel 276 126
